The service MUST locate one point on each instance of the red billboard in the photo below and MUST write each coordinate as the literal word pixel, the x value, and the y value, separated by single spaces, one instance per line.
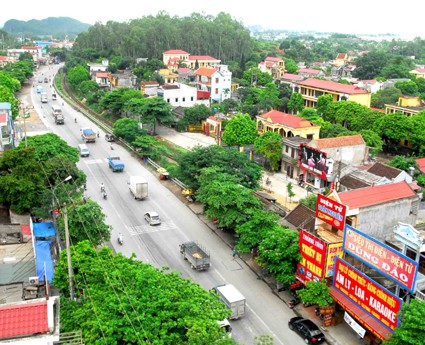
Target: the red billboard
pixel 331 212
pixel 386 260
pixel 313 252
pixel 313 161
pixel 370 296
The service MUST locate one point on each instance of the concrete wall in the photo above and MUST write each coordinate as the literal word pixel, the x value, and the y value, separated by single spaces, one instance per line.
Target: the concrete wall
pixel 352 155
pixel 378 221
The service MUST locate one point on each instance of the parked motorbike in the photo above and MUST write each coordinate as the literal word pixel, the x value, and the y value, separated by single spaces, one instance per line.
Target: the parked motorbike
pixel 120 240
pixel 317 312
pixel 293 302
pixel 105 196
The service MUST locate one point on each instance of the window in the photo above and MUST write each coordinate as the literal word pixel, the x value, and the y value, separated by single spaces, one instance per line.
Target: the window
pixel 176 99
pixel 168 100
pixel 310 136
pixel 216 91
pixel 216 80
pixel 191 98
pixel 184 99
pixel 286 149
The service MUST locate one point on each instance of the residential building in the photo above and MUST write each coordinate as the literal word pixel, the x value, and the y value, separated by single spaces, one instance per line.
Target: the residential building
pixel 36 52
pixel 123 78
pixel 286 125
pixel 274 66
pixel 377 209
pixel 407 105
pixel 98 67
pixel 149 88
pixel 391 82
pixel 202 61
pixel 186 76
pixel 169 76
pixel 217 82
pixel 310 72
pixel 312 89
pixel 301 217
pixel 389 172
pixel 178 94
pixel 372 86
pixel 102 79
pixel 291 79
pixel 341 59
pixel 290 155
pixel 172 58
pixel 6 127
pixel 418 72
pixel 4 60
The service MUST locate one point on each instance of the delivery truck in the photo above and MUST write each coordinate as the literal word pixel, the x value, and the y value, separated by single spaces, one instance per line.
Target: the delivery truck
pixel 138 187
pixel 57 114
pixel 116 164
pixel 233 300
pixel 43 97
pixel 197 256
pixel 88 135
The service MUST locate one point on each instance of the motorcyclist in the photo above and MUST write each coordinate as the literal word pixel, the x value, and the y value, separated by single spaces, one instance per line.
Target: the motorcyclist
pixel 120 238
pixel 102 187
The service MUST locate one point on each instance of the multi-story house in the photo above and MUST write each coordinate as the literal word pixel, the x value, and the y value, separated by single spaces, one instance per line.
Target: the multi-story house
pixel 36 52
pixel 311 89
pixel 176 58
pixel 169 76
pixel 418 72
pixel 407 105
pixel 217 82
pixel 274 66
pixel 123 78
pixel 6 127
pixel 341 59
pixel 372 86
pixel 178 94
pixel 102 79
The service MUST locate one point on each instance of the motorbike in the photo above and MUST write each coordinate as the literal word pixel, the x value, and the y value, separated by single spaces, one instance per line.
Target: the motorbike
pixel 120 240
pixel 293 302
pixel 105 196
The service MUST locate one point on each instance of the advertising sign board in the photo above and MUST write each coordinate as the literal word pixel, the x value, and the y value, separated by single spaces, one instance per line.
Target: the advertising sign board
pixel 331 212
pixel 391 263
pixel 334 249
pixel 313 252
pixel 313 160
pixel 370 296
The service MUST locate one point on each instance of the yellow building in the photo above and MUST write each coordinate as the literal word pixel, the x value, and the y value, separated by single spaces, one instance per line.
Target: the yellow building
pixel 311 89
pixel 169 77
pixel 341 59
pixel 274 66
pixel 286 125
pixel 407 105
pixel 172 59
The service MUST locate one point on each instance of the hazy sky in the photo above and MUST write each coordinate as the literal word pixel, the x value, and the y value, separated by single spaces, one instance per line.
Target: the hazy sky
pixel 361 16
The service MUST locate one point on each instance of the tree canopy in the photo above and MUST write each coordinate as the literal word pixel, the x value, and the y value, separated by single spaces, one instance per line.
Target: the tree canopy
pixel 240 130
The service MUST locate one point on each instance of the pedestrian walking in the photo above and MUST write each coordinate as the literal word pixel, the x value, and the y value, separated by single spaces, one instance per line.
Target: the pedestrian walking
pixel 234 252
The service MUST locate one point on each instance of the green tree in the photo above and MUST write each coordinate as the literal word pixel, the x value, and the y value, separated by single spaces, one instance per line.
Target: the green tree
pixel 228 160
pixel 290 190
pixel 128 129
pixel 21 179
pixel 149 146
pixel 388 95
pixel 252 232
pixel 116 100
pixel 270 145
pixel 296 103
pixel 407 88
pixel 279 253
pixel 310 114
pixel 87 87
pixel 411 326
pixel 240 130
pixel 310 201
pixel 393 128
pixel 77 75
pixel 11 83
pixel 6 95
pixel 124 300
pixel 50 145
pixel 86 221
pixel 370 65
pixel 403 163
pixel 329 130
pixel 291 66
pixel 417 135
pixel 316 293
pixel 323 104
pixel 224 198
pixel 372 139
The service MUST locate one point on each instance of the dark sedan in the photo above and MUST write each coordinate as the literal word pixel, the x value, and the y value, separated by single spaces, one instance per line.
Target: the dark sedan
pixel 307 329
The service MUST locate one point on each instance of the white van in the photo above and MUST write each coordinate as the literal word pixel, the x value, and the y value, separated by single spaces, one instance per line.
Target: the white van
pixel 84 150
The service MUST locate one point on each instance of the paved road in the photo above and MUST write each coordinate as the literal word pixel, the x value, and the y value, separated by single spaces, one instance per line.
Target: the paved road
pixel 266 313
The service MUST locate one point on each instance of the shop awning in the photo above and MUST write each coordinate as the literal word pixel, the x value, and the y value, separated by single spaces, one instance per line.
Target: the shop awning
pixel 367 321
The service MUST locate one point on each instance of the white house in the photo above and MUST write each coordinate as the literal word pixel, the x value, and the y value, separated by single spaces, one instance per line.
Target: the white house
pixel 178 94
pixel 6 126
pixel 216 81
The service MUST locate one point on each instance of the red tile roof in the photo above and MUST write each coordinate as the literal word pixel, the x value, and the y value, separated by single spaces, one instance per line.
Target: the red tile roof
pixel 289 76
pixel 175 51
pixel 341 56
pixel 202 58
pixel 347 140
pixel 3 58
pixel 274 59
pixel 102 74
pixel 289 120
pixel 376 195
pixel 183 70
pixel 421 164
pixel 372 81
pixel 208 72
pixel 23 319
pixel 309 71
pixel 420 70
pixel 331 86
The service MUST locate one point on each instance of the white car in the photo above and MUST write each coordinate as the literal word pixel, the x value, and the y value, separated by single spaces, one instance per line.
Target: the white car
pixel 152 218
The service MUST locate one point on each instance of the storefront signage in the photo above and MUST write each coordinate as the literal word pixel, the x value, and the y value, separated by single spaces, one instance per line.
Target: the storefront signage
pixel 334 249
pixel 330 212
pixel 313 253
pixel 381 257
pixel 370 296
pixel 354 325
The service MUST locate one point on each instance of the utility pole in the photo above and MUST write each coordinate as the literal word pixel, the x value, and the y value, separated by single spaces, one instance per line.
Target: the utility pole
pixel 68 253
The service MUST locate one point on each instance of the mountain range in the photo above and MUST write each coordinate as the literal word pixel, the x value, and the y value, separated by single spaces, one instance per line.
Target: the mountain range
pixel 50 26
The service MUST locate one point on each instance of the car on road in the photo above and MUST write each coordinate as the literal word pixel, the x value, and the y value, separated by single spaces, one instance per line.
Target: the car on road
pixel 152 218
pixel 307 329
pixel 109 137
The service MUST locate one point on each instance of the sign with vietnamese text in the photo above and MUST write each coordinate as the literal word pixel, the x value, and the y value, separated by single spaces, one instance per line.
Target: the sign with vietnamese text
pixel 330 212
pixel 313 253
pixel 313 161
pixel 370 296
pixel 334 249
pixel 381 257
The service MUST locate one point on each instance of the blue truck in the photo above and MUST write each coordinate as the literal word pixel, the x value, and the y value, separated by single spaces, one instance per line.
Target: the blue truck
pixel 88 135
pixel 116 164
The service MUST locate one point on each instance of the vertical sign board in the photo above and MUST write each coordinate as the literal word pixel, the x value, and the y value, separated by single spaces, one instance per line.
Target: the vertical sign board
pixel 370 296
pixel 386 260
pixel 334 249
pixel 313 253
pixel 331 212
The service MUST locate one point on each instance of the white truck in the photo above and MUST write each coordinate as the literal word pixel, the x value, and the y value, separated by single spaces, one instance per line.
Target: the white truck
pixel 43 96
pixel 138 187
pixel 233 300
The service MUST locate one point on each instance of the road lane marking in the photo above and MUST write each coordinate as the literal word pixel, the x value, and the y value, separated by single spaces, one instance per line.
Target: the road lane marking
pixel 148 229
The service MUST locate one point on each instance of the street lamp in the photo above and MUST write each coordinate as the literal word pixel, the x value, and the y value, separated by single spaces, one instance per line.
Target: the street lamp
pixel 24 109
